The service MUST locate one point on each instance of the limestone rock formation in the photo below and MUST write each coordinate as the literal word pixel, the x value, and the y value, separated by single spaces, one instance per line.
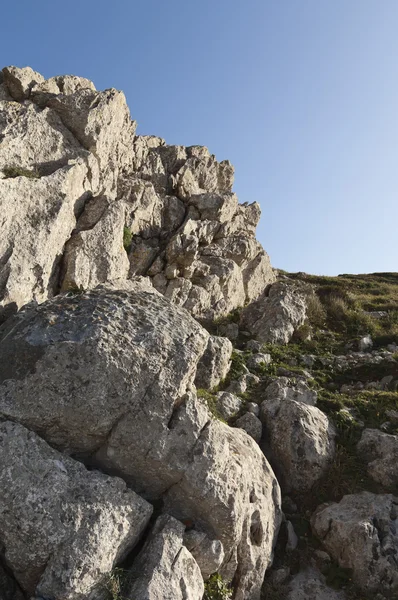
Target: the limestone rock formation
pixel 311 585
pixel 380 450
pixel 361 533
pixel 215 363
pixel 74 176
pixel 165 569
pixel 62 528
pixel 113 372
pixel 300 439
pixel 276 315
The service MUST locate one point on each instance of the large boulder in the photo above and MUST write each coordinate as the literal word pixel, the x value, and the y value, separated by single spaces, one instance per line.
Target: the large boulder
pixel 113 374
pixel 277 314
pixel 165 569
pixel 380 451
pixel 361 533
pixel 299 439
pixel 62 528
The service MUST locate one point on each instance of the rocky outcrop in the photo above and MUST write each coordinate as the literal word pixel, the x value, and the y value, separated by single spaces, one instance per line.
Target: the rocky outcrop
pixel 77 179
pixel 165 569
pixel 62 528
pixel 360 533
pixel 298 437
pixel 214 365
pixel 277 314
pixel 380 451
pixel 113 374
pixel 310 585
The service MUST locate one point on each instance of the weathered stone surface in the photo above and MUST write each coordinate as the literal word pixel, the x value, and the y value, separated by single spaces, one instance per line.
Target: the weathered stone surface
pixel 189 232
pixel 250 423
pixel 380 450
pixel 100 121
pixel 214 365
pixel 283 388
pixel 97 255
pixel 111 370
pixel 35 139
pixel 209 554
pixel 310 585
pixel 300 440
pixel 276 315
pixel 360 533
pixel 38 216
pixel 19 82
pixel 228 404
pixel 62 527
pixel 165 569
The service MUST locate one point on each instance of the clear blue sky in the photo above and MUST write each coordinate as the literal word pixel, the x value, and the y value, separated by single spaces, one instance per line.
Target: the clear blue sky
pixel 301 96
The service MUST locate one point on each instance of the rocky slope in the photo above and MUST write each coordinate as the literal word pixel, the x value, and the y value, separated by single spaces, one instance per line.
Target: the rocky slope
pixel 177 419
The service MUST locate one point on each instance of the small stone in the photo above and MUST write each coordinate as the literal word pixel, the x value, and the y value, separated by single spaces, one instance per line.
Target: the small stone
pixel 228 404
pixel 292 539
pixel 254 408
pixel 258 360
pixel 365 344
pixel 254 345
pixel 252 425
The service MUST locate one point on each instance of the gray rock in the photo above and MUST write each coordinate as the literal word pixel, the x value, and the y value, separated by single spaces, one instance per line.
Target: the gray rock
pixel 62 528
pixel 165 569
pixel 380 450
pixel 254 346
pixel 229 330
pixel 282 388
pixel 292 539
pixel 365 343
pixel 310 585
pixel 122 363
pixel 251 424
pixel 20 81
pixel 360 533
pixel 276 315
pixel 258 360
pixel 209 554
pixel 228 404
pixel 301 441
pixel 214 365
pixel 254 408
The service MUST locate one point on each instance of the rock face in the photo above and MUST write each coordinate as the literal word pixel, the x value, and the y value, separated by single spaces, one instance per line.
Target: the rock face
pixel 113 372
pixel 310 585
pixel 74 176
pixel 360 532
pixel 276 315
pixel 380 450
pixel 165 569
pixel 299 436
pixel 215 363
pixel 62 528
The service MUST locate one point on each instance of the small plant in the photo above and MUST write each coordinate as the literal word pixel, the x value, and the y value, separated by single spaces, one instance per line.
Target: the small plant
pixel 127 239
pixel 12 172
pixel 217 589
pixel 211 402
pixel 114 584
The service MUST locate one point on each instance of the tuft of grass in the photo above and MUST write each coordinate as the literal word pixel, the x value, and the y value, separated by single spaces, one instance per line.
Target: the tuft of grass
pixel 211 402
pixel 13 171
pixel 217 589
pixel 127 239
pixel 114 584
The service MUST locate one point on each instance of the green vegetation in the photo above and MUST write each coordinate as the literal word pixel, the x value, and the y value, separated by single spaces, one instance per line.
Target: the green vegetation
pixel 346 300
pixel 211 402
pixel 127 239
pixel 12 172
pixel 114 584
pixel 217 589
